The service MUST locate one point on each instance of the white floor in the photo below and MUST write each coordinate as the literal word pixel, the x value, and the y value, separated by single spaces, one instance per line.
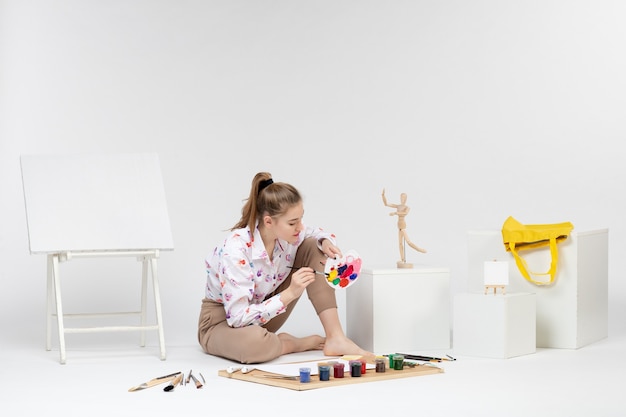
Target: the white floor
pixel 95 381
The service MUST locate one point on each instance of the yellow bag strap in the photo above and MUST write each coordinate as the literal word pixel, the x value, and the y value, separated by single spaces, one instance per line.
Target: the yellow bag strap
pixel 523 267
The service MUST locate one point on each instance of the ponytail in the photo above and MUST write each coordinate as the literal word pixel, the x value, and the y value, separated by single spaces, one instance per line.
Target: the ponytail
pixel 266 197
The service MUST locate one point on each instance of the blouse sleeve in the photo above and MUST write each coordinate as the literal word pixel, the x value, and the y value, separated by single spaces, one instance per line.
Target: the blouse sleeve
pixel 319 234
pixel 237 279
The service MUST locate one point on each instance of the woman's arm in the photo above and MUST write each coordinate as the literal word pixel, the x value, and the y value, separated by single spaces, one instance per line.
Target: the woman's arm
pixel 326 242
pixel 237 278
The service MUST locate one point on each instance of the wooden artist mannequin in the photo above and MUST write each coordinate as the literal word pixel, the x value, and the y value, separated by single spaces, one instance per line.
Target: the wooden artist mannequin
pixel 401 211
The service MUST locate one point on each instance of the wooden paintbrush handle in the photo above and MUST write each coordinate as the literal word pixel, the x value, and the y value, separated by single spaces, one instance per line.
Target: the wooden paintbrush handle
pixel 153 382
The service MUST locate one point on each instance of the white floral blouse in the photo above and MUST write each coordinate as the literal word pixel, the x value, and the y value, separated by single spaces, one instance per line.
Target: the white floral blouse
pixel 240 275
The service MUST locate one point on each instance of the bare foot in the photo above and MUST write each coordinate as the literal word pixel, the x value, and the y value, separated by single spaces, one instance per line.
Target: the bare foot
pixel 292 344
pixel 341 346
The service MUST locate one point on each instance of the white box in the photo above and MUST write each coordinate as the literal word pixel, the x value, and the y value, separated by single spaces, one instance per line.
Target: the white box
pixel 400 310
pixel 494 326
pixel 573 311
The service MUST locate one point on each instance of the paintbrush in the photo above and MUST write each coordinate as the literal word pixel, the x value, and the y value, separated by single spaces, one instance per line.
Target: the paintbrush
pixel 174 383
pixel 198 383
pixel 155 381
pixel 295 268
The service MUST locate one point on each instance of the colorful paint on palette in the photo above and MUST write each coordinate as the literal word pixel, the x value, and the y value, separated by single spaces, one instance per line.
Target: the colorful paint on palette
pixel 343 272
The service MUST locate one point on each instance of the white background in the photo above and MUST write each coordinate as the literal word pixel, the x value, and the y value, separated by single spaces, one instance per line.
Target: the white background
pixel 476 109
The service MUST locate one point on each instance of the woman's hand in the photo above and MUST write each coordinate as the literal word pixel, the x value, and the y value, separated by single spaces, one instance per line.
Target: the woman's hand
pixel 300 279
pixel 330 250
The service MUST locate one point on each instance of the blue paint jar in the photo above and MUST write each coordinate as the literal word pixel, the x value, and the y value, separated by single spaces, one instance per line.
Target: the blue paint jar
pixel 305 375
pixel 324 371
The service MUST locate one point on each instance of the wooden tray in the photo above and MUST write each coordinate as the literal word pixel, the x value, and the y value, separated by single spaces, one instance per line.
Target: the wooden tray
pixel 276 380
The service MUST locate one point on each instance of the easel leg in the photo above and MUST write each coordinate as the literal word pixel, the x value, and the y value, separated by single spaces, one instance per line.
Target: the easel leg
pixel 49 303
pixel 157 305
pixel 59 308
pixel 144 296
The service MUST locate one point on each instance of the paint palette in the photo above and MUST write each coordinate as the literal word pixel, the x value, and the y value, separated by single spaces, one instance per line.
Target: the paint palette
pixel 343 272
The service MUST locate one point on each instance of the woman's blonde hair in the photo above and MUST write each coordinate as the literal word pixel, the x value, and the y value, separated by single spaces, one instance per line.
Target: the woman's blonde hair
pixel 266 197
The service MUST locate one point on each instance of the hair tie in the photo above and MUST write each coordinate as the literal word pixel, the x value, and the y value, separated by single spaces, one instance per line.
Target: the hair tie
pixel 264 184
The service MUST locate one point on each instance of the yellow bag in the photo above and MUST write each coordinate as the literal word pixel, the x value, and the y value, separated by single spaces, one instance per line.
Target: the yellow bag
pixel 517 237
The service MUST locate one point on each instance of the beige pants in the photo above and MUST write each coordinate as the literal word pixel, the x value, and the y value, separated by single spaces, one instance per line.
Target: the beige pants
pixel 257 344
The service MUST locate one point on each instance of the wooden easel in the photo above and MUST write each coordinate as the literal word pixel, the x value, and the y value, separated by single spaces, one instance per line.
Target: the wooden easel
pixel 495 289
pixel 97 206
pixel 496 275
pixel 54 305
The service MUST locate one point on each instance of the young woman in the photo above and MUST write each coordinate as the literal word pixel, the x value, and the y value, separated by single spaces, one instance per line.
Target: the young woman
pixel 256 276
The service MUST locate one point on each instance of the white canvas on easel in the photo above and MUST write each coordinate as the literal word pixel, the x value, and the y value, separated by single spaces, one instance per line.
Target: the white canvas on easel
pixel 95 202
pixel 97 205
pixel 496 275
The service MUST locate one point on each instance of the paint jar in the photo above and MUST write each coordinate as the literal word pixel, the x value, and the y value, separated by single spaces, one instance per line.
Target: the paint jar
pixel 305 375
pixel 338 369
pixel 398 362
pixel 390 359
pixel 380 365
pixel 319 365
pixel 324 372
pixel 363 366
pixel 355 368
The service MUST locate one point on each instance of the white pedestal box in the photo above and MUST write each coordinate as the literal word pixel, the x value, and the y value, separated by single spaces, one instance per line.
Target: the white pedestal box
pixel 494 326
pixel 573 311
pixel 400 310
